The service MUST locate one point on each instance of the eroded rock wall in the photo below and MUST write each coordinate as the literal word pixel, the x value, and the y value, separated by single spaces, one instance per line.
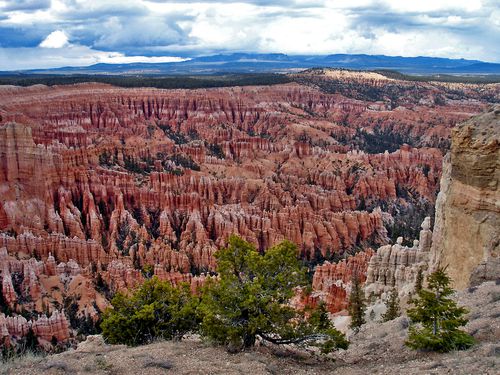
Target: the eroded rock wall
pixel 467 231
pixel 397 266
pixel 332 281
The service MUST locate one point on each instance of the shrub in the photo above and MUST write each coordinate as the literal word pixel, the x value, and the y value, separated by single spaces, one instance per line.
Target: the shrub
pixel 176 136
pixel 438 318
pixel 252 298
pixel 105 159
pixel 131 165
pixel 154 310
pixel 147 271
pixel 4 307
pixel 28 345
pixel 121 237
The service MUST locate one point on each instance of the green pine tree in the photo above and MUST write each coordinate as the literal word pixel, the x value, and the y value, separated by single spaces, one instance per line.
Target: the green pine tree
pixel 357 304
pixel 392 306
pixel 320 322
pixel 419 282
pixel 436 318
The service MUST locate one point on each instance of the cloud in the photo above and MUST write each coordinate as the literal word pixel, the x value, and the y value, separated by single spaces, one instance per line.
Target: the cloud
pixel 149 28
pixel 119 58
pixel 130 32
pixel 72 55
pixel 22 36
pixel 56 39
pixel 25 5
pixel 287 3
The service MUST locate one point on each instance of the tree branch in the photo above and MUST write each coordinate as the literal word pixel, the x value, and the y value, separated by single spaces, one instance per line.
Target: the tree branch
pixel 298 340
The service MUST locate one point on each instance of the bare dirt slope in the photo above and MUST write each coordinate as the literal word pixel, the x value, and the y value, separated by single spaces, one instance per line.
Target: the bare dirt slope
pixel 376 349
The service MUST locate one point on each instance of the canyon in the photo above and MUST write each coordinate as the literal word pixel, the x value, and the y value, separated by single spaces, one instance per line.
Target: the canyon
pixel 102 187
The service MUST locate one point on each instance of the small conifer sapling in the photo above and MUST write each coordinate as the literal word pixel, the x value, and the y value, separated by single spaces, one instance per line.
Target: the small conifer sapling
pixel 392 306
pixel 357 304
pixel 436 318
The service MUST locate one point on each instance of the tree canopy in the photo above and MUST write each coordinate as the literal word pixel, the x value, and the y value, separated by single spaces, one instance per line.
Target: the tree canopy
pixel 252 298
pixel 155 310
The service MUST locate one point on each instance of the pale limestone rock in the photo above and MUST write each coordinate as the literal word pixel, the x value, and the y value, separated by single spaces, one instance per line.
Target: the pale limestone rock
pixel 92 343
pixel 467 235
pixel 397 266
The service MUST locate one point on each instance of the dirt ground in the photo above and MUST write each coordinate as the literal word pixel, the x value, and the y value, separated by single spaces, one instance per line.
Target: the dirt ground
pixel 377 349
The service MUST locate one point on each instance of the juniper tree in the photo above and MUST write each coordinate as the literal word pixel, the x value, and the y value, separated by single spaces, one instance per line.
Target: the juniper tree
pixel 436 318
pixel 156 309
pixel 27 344
pixel 31 342
pixel 392 306
pixel 251 298
pixel 357 304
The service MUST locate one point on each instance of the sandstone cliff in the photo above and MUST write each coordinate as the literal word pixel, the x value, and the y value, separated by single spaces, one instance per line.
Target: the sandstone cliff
pixel 466 237
pixel 467 231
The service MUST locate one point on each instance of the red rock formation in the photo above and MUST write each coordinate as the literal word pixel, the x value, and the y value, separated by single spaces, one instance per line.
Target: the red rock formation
pixel 331 281
pixel 102 182
pixel 44 286
pixel 16 327
pixel 8 292
pixel 54 326
pixel 4 221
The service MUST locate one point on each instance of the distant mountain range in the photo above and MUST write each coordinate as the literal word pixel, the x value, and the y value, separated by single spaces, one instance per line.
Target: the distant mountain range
pixel 277 63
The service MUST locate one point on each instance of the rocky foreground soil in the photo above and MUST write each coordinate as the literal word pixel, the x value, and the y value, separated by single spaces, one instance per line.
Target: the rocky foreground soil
pixel 377 349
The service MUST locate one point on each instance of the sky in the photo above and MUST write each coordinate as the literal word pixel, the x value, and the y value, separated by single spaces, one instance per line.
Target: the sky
pixel 54 33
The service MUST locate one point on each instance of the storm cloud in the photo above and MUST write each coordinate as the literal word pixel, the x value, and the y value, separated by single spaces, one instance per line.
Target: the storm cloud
pixel 91 31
